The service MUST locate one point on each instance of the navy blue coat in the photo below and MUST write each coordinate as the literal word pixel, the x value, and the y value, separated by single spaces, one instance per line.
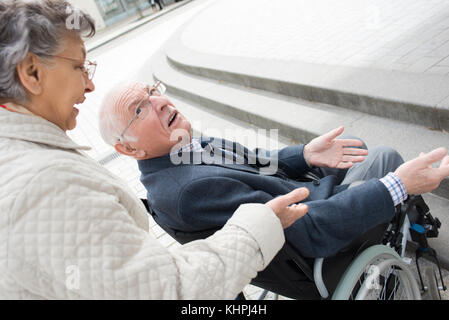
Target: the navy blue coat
pixel 199 196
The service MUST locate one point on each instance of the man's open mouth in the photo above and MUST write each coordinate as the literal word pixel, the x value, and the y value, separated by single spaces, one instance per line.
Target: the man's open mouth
pixel 172 119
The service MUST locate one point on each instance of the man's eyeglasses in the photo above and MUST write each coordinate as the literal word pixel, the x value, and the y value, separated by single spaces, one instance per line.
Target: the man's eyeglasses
pixel 88 68
pixel 144 106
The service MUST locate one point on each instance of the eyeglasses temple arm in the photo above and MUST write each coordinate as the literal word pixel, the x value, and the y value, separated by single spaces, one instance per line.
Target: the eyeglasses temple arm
pixel 129 124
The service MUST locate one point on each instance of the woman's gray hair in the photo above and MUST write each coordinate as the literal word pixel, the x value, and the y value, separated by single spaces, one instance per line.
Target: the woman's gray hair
pixel 35 26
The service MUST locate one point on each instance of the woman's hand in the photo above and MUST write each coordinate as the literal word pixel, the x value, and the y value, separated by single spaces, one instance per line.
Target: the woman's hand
pixel 286 209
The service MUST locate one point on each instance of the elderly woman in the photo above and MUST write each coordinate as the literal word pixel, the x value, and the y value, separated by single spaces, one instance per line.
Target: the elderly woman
pixel 69 229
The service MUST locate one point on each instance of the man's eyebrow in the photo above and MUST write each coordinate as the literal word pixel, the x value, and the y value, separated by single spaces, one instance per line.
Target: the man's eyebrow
pixel 84 52
pixel 134 103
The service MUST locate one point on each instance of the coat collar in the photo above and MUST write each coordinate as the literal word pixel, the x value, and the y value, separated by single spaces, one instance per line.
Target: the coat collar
pixel 34 129
pixel 196 157
pixel 156 164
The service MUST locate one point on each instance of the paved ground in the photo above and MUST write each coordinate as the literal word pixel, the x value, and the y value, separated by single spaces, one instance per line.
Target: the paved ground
pixel 325 32
pixel 407 35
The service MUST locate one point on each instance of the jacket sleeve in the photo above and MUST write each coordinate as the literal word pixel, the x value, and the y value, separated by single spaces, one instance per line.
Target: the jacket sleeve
pixel 289 159
pixel 331 224
pixel 209 202
pixel 76 237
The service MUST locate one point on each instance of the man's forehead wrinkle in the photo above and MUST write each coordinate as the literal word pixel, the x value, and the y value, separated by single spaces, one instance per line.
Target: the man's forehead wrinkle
pixel 126 95
pixel 128 98
pixel 132 97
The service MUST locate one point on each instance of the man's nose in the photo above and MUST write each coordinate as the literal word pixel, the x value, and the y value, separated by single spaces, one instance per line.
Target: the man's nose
pixel 90 86
pixel 158 103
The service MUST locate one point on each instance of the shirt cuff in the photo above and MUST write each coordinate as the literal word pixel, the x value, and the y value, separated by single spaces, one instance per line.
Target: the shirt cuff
pixel 310 167
pixel 396 188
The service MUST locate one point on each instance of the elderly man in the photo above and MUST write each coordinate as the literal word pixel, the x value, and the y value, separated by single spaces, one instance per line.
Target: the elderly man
pixel 350 191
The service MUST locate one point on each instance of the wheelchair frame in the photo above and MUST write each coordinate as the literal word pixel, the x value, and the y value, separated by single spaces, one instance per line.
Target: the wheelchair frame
pixel 399 232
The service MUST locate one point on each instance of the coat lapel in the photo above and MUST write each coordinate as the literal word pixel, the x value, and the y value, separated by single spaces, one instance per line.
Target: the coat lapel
pixel 230 155
pixel 210 155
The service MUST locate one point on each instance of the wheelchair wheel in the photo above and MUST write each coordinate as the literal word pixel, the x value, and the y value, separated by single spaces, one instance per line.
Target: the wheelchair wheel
pixel 377 273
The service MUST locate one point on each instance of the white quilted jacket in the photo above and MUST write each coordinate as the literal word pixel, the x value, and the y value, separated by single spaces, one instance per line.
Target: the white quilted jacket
pixel 69 229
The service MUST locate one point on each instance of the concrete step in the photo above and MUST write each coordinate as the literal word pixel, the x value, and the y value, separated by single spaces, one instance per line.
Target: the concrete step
pixel 415 98
pixel 296 119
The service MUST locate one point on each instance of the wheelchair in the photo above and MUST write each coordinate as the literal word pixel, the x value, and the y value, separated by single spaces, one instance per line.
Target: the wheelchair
pixel 372 267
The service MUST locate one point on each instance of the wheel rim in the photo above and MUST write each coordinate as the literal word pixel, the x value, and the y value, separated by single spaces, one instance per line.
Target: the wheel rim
pixel 389 283
pixel 352 280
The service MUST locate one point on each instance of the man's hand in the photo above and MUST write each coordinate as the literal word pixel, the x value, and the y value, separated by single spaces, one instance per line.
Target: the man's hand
pixel 286 213
pixel 327 151
pixel 418 175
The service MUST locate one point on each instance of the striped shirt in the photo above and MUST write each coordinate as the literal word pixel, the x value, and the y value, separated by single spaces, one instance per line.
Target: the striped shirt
pixel 194 146
pixel 395 187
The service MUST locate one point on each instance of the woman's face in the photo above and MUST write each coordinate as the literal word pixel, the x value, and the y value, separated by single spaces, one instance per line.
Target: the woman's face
pixel 64 85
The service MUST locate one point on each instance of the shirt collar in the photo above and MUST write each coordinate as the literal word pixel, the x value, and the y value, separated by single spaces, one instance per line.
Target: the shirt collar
pixel 193 146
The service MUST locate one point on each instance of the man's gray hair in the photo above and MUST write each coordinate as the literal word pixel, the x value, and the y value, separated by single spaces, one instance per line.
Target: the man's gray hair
pixel 35 26
pixel 114 110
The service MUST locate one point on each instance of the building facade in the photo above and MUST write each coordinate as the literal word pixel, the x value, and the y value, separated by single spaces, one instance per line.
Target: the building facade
pixel 108 12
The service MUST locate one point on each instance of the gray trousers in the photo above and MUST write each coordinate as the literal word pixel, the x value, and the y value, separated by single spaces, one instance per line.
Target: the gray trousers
pixel 379 162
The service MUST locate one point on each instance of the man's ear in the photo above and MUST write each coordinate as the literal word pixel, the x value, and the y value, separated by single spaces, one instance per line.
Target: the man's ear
pixel 124 149
pixel 128 151
pixel 30 72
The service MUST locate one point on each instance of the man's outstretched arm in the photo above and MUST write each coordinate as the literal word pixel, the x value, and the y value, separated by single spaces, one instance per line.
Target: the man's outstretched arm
pixel 417 176
pixel 340 219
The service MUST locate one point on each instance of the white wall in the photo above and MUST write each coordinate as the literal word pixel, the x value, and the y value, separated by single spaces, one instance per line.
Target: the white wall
pixel 90 7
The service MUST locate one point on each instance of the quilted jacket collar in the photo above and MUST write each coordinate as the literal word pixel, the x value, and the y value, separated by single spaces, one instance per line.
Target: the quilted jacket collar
pixel 34 129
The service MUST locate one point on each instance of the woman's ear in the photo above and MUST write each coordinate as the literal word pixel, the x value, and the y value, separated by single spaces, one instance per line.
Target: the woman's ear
pixel 30 72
